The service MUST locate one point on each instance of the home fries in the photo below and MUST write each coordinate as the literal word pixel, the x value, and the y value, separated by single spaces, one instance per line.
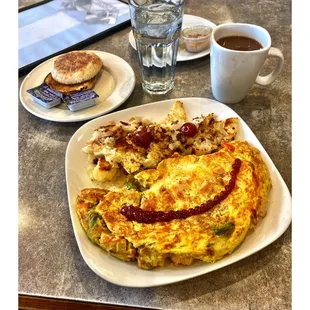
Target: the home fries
pixel 128 147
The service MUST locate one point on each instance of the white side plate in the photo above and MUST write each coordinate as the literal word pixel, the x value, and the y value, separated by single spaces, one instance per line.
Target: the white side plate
pixel 122 273
pixel 183 54
pixel 114 85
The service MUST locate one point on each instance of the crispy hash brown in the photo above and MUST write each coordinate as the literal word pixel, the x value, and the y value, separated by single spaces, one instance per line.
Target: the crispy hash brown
pixel 138 144
pixel 180 183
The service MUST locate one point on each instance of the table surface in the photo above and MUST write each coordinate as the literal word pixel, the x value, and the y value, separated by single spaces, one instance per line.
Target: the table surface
pixel 50 263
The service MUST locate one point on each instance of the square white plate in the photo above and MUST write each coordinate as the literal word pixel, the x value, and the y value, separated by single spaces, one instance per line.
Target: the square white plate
pixel 122 273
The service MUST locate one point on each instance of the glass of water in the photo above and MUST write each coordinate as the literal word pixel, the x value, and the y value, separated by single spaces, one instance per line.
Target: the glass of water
pixel 156 26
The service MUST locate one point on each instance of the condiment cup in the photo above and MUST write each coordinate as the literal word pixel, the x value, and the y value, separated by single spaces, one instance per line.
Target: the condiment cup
pixel 234 72
pixel 196 38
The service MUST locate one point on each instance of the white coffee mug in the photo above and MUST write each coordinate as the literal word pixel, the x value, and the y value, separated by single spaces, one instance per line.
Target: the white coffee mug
pixel 234 72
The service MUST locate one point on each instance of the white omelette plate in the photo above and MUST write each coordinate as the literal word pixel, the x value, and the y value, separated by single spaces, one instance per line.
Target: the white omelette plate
pixel 114 85
pixel 183 54
pixel 122 273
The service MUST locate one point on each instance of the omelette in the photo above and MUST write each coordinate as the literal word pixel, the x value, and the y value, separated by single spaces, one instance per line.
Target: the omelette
pixel 126 148
pixel 187 208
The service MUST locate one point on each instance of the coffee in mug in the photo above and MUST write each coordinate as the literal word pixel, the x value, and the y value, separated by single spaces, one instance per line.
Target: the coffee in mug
pixel 239 43
pixel 238 53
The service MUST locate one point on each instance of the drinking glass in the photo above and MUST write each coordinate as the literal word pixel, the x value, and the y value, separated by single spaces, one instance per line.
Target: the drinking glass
pixel 156 26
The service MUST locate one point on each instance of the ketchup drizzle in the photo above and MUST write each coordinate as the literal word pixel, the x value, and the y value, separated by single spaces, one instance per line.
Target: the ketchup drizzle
pixel 143 216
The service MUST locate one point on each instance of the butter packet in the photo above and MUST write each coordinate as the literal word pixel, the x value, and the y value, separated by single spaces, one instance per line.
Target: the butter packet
pixel 80 100
pixel 45 95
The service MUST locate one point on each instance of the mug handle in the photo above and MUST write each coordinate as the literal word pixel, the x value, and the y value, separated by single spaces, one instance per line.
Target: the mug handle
pixel 268 79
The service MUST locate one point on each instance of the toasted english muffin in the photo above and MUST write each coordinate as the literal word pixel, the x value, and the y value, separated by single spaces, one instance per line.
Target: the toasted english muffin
pixel 69 89
pixel 76 67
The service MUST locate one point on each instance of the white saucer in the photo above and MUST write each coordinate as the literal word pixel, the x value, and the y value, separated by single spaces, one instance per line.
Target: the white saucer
pixel 114 85
pixel 183 54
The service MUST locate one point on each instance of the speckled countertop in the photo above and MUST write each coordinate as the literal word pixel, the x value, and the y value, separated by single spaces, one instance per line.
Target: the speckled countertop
pixel 50 263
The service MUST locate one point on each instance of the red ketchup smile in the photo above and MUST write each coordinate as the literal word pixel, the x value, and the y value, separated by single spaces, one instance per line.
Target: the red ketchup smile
pixel 143 216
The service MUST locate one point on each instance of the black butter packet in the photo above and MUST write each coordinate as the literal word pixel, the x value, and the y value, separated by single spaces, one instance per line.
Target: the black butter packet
pixel 45 95
pixel 80 100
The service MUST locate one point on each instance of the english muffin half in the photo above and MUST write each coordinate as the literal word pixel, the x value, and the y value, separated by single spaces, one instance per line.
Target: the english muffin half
pixel 76 67
pixel 67 89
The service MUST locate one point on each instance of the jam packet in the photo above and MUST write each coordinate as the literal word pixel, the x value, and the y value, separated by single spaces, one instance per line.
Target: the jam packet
pixel 45 95
pixel 80 100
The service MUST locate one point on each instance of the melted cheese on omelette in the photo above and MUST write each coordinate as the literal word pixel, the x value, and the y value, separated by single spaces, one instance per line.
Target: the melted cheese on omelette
pixel 178 183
